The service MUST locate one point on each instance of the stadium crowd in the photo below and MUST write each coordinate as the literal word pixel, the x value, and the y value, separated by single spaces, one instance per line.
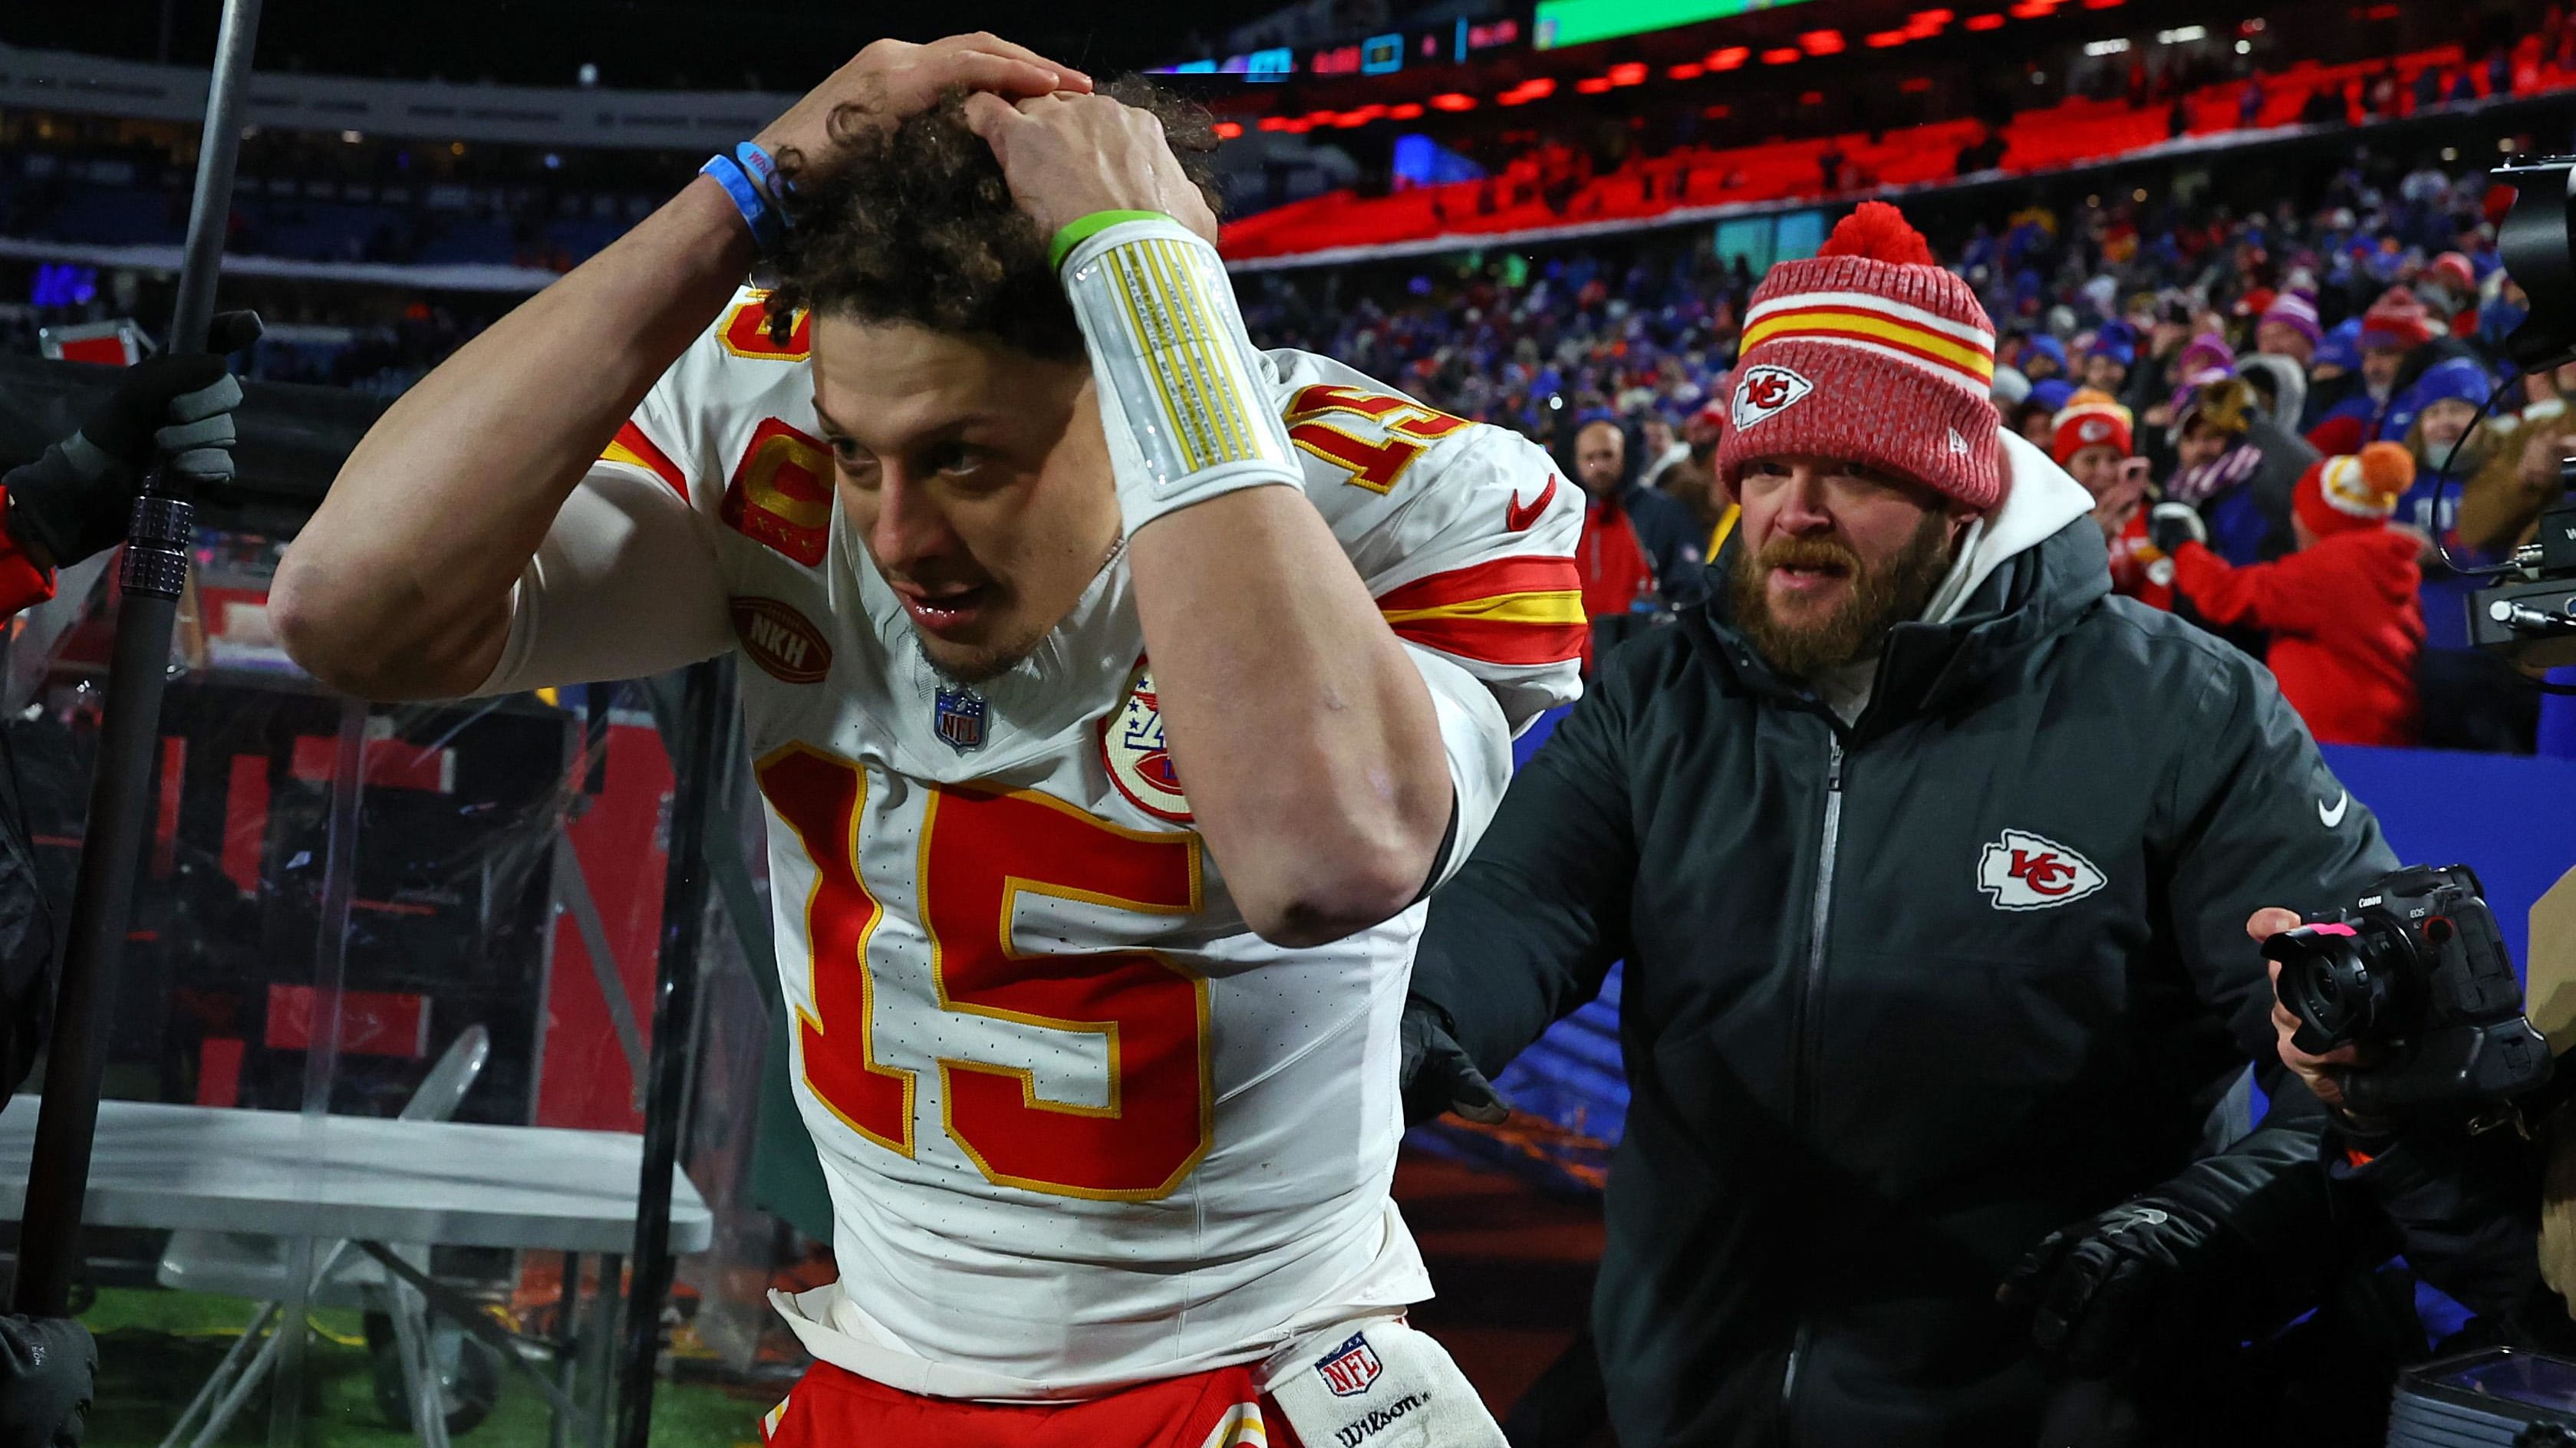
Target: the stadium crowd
pixel 2283 382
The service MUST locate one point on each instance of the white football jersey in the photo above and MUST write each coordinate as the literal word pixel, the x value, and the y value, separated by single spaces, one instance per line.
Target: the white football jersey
pixel 1082 1128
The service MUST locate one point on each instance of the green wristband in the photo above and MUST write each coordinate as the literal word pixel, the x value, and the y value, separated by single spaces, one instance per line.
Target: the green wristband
pixel 1090 226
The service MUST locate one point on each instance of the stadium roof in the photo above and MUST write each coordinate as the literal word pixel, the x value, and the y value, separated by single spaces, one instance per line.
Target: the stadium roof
pixel 699 44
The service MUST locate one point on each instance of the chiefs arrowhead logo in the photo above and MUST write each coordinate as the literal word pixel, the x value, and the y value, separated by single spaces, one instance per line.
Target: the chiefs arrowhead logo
pixel 2023 871
pixel 1762 391
pixel 2094 429
pixel 1516 519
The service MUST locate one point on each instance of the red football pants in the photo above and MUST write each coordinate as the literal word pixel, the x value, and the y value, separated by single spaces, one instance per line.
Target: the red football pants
pixel 832 1408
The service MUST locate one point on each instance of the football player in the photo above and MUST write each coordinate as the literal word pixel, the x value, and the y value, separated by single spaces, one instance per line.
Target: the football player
pixel 1117 692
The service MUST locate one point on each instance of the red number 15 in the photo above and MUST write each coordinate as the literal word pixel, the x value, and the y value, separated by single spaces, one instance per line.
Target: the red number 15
pixel 978 854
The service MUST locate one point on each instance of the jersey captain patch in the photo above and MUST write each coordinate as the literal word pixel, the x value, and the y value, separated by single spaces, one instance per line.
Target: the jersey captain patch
pixel 781 493
pixel 1132 749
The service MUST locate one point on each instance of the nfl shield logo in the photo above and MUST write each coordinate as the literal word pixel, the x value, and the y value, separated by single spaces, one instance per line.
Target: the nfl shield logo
pixel 959 716
pixel 1349 1369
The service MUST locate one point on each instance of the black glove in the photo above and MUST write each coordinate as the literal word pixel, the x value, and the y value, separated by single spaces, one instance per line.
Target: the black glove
pixel 2223 1249
pixel 79 497
pixel 2172 525
pixel 48 1370
pixel 1436 1073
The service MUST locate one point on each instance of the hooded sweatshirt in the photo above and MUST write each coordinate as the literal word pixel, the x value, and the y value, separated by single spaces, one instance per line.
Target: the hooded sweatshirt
pixel 2345 624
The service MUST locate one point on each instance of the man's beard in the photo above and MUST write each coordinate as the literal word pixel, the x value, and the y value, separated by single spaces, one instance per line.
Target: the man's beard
pixel 1879 598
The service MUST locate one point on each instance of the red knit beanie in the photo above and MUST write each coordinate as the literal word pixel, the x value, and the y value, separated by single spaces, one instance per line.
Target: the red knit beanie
pixel 2340 494
pixel 1869 352
pixel 2089 419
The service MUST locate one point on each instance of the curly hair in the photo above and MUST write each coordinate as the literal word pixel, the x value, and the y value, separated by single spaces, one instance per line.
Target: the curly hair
pixel 914 223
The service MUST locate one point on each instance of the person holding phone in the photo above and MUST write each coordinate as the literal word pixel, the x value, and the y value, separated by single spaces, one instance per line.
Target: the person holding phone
pixel 2092 439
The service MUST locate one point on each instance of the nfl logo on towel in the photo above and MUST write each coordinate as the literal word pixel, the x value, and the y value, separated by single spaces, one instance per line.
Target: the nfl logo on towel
pixel 959 715
pixel 1349 1369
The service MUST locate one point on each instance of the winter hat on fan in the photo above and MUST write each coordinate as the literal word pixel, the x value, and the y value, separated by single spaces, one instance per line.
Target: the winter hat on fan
pixel 2089 419
pixel 1869 352
pixel 2337 495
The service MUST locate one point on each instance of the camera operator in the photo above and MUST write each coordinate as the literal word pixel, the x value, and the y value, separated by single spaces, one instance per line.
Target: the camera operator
pixel 2452 1184
pixel 72 502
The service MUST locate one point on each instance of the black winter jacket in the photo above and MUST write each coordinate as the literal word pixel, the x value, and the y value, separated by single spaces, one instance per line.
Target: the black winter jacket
pixel 1904 997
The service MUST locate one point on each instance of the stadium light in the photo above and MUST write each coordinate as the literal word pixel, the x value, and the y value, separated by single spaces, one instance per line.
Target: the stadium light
pixel 1885 39
pixel 1687 70
pixel 1272 123
pixel 1821 42
pixel 1228 130
pixel 1453 101
pixel 2032 10
pixel 1593 85
pixel 2183 35
pixel 1729 58
pixel 1632 72
pixel 1783 55
pixel 2106 47
pixel 1408 111
pixel 1985 22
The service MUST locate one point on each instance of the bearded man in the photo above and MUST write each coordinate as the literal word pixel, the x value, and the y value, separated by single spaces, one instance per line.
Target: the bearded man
pixel 1929 862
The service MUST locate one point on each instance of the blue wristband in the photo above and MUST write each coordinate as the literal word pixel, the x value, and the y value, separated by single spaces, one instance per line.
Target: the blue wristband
pixel 756 211
pixel 763 172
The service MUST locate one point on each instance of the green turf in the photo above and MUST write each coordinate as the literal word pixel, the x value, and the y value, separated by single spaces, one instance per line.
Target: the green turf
pixel 155 1349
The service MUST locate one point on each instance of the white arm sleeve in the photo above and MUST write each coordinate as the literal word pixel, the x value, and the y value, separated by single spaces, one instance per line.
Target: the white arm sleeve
pixel 624 586
pixel 1478 742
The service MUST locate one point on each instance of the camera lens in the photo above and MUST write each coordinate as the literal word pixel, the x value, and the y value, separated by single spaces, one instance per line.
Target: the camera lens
pixel 2329 982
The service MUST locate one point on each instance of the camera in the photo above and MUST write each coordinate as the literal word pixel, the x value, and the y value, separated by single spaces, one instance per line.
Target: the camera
pixel 2417 973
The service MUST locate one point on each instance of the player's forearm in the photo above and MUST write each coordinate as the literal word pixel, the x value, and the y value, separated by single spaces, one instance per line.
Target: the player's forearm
pixel 1306 739
pixel 399 586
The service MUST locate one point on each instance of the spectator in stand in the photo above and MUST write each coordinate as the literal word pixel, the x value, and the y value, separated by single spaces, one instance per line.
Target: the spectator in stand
pixel 2236 468
pixel 2036 417
pixel 1658 448
pixel 1639 551
pixel 2501 503
pixel 2435 415
pixel 2278 384
pixel 2341 611
pixel 2395 326
pixel 2450 288
pixel 2093 443
pixel 2108 360
pixel 2288 328
pixel 2042 357
pixel 1693 480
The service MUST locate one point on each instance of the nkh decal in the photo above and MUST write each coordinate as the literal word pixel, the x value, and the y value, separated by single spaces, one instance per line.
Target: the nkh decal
pixel 785 643
pixel 1763 391
pixel 2023 871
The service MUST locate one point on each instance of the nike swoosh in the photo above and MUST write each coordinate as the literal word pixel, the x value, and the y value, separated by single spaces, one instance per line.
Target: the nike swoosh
pixel 2333 817
pixel 1517 518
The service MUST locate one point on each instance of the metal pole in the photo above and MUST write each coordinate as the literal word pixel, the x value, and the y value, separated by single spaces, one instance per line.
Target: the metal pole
pixel 675 1014
pixel 154 572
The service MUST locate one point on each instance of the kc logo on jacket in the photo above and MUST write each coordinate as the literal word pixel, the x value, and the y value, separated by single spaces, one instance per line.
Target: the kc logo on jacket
pixel 1763 391
pixel 2023 871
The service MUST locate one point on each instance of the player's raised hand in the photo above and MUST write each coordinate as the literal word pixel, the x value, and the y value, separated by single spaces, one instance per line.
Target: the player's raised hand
pixel 1069 155
pixel 892 79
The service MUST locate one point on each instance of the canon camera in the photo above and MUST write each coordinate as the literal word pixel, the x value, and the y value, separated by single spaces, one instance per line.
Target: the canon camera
pixel 2416 974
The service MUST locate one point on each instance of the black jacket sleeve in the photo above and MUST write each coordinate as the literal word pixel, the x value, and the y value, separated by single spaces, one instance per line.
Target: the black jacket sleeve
pixel 2262 821
pixel 1525 931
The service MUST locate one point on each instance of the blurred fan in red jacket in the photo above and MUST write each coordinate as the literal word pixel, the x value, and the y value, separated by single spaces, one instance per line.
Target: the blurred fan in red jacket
pixel 2341 611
